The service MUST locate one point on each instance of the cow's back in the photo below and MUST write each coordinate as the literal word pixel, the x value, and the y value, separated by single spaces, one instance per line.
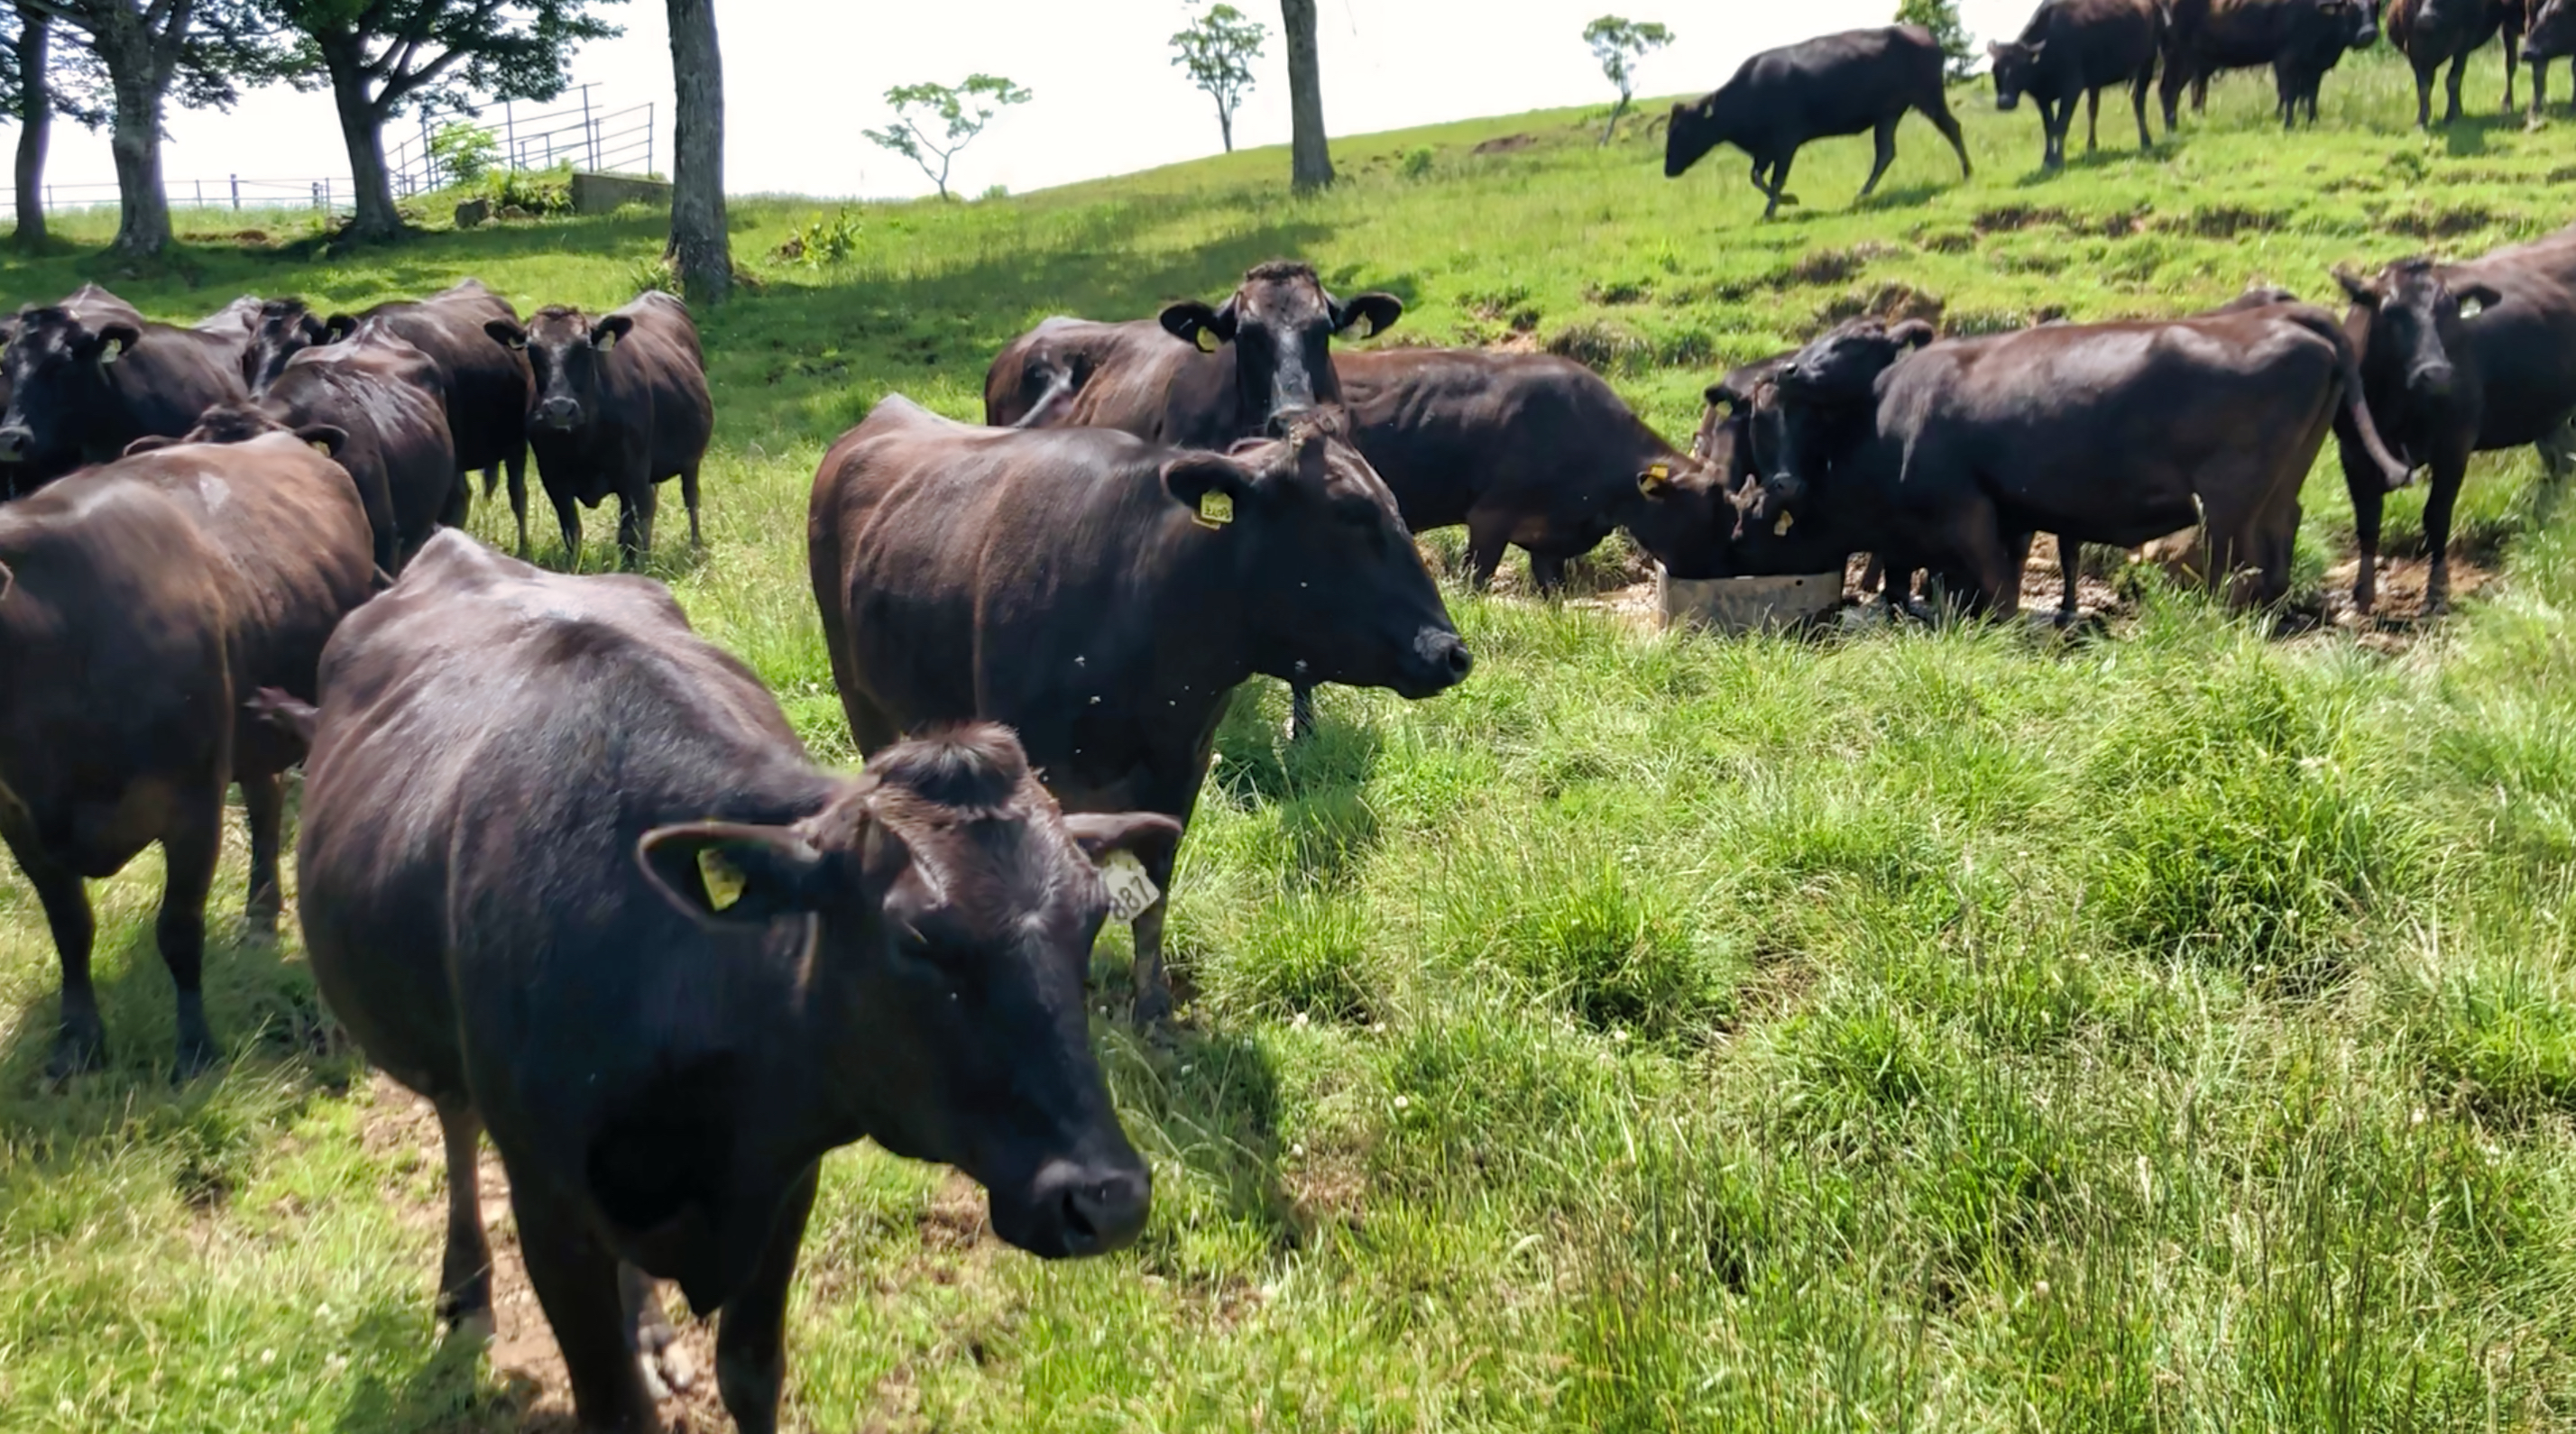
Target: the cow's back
pixel 1845 83
pixel 2526 344
pixel 673 383
pixel 1451 429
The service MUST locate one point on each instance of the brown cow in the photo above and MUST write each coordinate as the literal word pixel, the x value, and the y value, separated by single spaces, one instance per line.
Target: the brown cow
pixel 2080 47
pixel 2299 39
pixel 567 871
pixel 2459 359
pixel 1105 595
pixel 141 604
pixel 89 375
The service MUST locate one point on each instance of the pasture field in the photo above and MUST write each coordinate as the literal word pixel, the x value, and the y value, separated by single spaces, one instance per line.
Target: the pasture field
pixel 2173 1029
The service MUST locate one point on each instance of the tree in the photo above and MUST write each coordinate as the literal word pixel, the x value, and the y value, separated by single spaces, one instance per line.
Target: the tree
pixel 1218 50
pixel 380 56
pixel 1619 45
pixel 700 249
pixel 1941 17
pixel 25 39
pixel 964 110
pixel 1310 159
pixel 149 50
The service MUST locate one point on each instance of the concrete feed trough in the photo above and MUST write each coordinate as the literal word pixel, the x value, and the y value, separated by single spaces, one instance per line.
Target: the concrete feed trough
pixel 1748 604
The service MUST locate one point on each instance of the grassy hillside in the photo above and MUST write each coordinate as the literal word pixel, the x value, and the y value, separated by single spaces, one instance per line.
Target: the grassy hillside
pixel 1940 1030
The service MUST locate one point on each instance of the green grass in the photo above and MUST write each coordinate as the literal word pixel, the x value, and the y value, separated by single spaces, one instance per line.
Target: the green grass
pixel 1917 1030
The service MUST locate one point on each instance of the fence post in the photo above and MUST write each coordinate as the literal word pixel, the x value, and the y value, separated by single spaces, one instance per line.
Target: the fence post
pixel 510 130
pixel 237 194
pixel 588 132
pixel 648 137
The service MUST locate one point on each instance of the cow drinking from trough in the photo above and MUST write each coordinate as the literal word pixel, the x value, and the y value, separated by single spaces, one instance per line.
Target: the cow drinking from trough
pixel 2459 359
pixel 1948 455
pixel 1860 80
pixel 566 871
pixel 1105 595
pixel 88 376
pixel 141 604
pixel 622 405
pixel 2077 48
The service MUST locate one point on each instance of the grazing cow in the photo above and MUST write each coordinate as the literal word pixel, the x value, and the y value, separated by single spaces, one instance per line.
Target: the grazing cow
pixel 2428 32
pixel 1832 85
pixel 1239 370
pixel 622 404
pixel 2299 39
pixel 141 604
pixel 382 395
pixel 1948 455
pixel 1525 449
pixel 2551 35
pixel 1105 595
pixel 88 376
pixel 486 389
pixel 566 871
pixel 2459 359
pixel 2080 47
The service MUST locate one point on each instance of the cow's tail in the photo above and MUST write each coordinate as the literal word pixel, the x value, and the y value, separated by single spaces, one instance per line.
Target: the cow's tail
pixel 2356 408
pixel 285 712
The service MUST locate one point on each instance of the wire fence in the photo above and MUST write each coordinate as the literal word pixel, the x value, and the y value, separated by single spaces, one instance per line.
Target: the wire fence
pixel 585 135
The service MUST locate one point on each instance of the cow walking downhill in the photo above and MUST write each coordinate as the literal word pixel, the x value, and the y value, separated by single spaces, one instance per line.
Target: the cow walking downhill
pixel 1860 81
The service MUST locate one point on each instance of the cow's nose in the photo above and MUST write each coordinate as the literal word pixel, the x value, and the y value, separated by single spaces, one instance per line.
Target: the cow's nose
pixel 1441 661
pixel 559 412
pixel 1091 1210
pixel 2433 380
pixel 1286 417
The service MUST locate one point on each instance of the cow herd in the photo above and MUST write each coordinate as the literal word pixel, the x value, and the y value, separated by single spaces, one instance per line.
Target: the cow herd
pixel 1865 81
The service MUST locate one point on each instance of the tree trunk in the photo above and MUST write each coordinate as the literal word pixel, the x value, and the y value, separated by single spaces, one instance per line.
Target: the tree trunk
pixel 1310 162
pixel 1225 126
pixel 35 126
pixel 134 139
pixel 699 247
pixel 1616 111
pixel 362 130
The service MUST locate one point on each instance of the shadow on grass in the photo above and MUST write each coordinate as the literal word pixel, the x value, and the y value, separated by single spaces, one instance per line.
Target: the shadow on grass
pixel 442 1391
pixel 1209 1101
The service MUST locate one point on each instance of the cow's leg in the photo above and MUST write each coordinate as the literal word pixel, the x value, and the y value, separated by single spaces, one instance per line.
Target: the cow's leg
pixel 648 1330
pixel 1884 137
pixel 2369 494
pixel 689 499
pixel 2092 119
pixel 1488 538
pixel 1980 552
pixel 264 813
pixel 2512 57
pixel 635 526
pixel 80 1044
pixel 577 1284
pixel 2053 123
pixel 1547 573
pixel 2539 89
pixel 1937 110
pixel 1301 710
pixel 2138 88
pixel 2424 97
pixel 2070 567
pixel 516 465
pixel 2177 77
pixel 2199 91
pixel 460 499
pixel 568 518
pixel 465 1271
pixel 2459 70
pixel 1153 985
pixel 1780 179
pixel 190 847
pixel 751 1344
pixel 2439 500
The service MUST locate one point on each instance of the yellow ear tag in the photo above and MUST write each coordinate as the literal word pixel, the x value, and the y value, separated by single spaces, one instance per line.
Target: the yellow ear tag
pixel 1363 326
pixel 1207 340
pixel 1781 529
pixel 1216 508
pixel 724 880
pixel 605 343
pixel 1652 481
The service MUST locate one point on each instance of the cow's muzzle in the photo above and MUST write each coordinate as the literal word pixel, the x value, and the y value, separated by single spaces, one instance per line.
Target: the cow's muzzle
pixel 1439 661
pixel 2431 382
pixel 1077 1209
pixel 559 413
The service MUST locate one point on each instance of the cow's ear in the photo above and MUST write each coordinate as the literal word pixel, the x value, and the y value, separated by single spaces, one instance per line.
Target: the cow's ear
pixel 1148 836
pixel 1195 323
pixel 1366 314
pixel 335 328
pixel 505 333
pixel 114 340
pixel 2476 299
pixel 2361 291
pixel 1657 479
pixel 1722 394
pixel 724 873
pixel 150 443
pixel 605 334
pixel 1210 485
pixel 1912 334
pixel 327 439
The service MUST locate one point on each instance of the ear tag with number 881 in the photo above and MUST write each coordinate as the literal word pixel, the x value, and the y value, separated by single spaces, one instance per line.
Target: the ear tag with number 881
pixel 1131 891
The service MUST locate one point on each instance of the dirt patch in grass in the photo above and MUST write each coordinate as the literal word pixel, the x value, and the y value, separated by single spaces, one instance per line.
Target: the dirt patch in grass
pixel 1505 144
pixel 1894 302
pixel 2010 217
pixel 2445 223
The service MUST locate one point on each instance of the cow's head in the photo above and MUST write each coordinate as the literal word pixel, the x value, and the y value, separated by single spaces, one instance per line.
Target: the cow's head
pixel 61 392
pixel 569 351
pixel 2015 65
pixel 286 328
pixel 2418 325
pixel 1697 128
pixel 242 423
pixel 948 911
pixel 2357 21
pixel 1818 404
pixel 1281 323
pixel 2552 33
pixel 1332 586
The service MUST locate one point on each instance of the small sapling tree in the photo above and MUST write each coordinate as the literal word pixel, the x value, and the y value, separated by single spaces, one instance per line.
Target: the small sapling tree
pixel 1218 49
pixel 1620 45
pixel 959 112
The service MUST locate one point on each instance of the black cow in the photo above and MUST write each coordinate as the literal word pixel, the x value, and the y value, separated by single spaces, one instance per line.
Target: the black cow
pixel 88 376
pixel 1948 457
pixel 2080 47
pixel 1238 370
pixel 485 389
pixel 1105 595
pixel 141 604
pixel 566 871
pixel 382 396
pixel 1527 450
pixel 2298 39
pixel 2551 35
pixel 2428 32
pixel 2459 359
pixel 622 404
pixel 1860 80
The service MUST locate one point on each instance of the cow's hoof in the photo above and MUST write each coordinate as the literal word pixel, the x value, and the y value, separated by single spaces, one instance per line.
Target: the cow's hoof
pixel 196 1057
pixel 474 1328
pixel 77 1051
pixel 1153 1008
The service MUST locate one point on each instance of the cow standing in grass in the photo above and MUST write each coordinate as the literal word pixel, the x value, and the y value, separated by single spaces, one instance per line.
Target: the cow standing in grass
pixel 88 376
pixel 2551 35
pixel 1861 81
pixel 2428 32
pixel 2299 40
pixel 2077 48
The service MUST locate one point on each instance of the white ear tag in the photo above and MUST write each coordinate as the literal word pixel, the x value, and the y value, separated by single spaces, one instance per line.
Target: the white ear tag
pixel 724 880
pixel 1130 889
pixel 2471 308
pixel 1363 326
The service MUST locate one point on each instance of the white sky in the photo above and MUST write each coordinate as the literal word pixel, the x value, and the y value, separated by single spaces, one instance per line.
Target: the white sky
pixel 803 77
